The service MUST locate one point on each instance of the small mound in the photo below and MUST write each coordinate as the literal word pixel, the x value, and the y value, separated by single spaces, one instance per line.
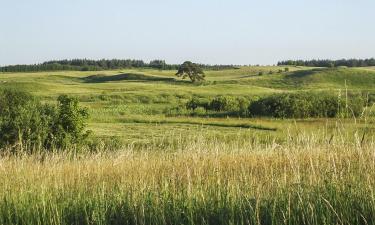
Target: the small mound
pixel 124 77
pixel 335 77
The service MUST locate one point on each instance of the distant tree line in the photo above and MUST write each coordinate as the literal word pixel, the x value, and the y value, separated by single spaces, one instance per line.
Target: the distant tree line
pixel 330 63
pixel 103 64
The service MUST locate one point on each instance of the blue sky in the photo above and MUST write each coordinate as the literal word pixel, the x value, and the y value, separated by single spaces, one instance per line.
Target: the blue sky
pixel 205 31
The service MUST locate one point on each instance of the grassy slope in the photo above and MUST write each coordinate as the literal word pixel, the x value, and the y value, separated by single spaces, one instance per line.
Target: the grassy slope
pixel 210 170
pixel 130 103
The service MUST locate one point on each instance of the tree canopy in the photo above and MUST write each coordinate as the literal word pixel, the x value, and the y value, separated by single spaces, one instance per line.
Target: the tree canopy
pixel 191 70
pixel 102 64
pixel 28 123
pixel 330 63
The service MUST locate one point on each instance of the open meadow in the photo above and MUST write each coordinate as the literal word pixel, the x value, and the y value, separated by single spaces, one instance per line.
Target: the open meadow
pixel 155 162
pixel 133 105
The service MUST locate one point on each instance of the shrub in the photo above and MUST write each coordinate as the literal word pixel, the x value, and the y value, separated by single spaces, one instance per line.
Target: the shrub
pixel 224 103
pixel 30 125
pixel 228 105
pixel 179 110
pixel 370 98
pixel 196 102
pixel 21 119
pixel 243 105
pixel 199 111
pixel 304 105
pixel 68 123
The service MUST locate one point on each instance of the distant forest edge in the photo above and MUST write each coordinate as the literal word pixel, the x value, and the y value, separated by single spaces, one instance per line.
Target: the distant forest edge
pixel 329 63
pixel 112 64
pixel 103 64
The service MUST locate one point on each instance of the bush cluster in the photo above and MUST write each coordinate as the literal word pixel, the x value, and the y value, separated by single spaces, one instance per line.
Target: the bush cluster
pixel 305 105
pixel 287 105
pixel 28 124
pixel 229 104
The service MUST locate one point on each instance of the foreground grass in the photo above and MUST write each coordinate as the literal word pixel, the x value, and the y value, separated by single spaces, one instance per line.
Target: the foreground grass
pixel 306 180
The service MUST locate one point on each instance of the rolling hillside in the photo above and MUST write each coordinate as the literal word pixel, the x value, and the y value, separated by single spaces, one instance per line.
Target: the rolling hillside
pixel 131 104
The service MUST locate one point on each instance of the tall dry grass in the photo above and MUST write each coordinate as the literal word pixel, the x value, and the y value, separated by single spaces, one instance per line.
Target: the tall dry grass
pixel 308 179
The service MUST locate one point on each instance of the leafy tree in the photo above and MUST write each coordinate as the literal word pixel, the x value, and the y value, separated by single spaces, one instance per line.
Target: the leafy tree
pixel 69 122
pixel 191 70
pixel 224 103
pixel 28 124
pixel 19 119
pixel 196 102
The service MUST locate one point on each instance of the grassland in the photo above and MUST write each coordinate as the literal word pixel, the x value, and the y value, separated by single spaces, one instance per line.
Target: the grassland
pixel 303 181
pixel 196 170
pixel 131 104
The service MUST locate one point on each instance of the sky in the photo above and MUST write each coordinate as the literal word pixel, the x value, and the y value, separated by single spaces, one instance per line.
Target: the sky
pixel 204 31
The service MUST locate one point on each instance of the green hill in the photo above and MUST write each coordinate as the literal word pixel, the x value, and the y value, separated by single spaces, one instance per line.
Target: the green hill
pixel 131 103
pixel 336 77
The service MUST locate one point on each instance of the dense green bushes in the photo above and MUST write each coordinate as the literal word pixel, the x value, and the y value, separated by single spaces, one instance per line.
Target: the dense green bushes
pixel 20 119
pixel 28 124
pixel 102 64
pixel 330 63
pixel 286 105
pixel 305 105
pixel 228 104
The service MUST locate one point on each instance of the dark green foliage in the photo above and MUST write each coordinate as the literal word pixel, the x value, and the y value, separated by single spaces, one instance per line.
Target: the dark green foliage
pixel 305 105
pixel 231 105
pixel 191 70
pixel 21 119
pixel 243 105
pixel 330 63
pixel 224 103
pixel 158 64
pixel 287 105
pixel 199 111
pixel 196 102
pixel 27 124
pixel 103 64
pixel 68 124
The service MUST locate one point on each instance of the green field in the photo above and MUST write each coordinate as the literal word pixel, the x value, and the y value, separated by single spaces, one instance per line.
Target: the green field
pixel 196 169
pixel 131 104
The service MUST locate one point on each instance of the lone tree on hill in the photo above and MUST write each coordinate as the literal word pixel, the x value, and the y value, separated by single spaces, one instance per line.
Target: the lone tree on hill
pixel 191 70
